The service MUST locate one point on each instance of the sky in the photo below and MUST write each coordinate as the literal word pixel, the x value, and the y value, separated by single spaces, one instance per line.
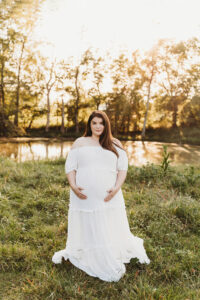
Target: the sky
pixel 72 26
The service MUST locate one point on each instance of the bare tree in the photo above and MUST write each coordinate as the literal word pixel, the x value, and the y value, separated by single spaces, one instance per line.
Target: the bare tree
pixel 51 79
pixel 150 66
pixel 16 119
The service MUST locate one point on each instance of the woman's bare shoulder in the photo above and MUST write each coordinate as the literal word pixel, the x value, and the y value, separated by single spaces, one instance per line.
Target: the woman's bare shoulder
pixel 78 142
pixel 117 142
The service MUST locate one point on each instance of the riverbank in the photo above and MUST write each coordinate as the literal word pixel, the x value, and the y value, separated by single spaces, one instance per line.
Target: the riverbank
pixel 163 209
pixel 187 135
pixel 168 135
pixel 190 135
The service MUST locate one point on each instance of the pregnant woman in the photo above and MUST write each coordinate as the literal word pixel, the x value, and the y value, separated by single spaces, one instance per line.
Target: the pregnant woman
pixel 99 239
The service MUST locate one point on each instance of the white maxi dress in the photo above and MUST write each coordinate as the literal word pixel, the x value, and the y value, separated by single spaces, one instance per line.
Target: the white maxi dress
pixel 99 239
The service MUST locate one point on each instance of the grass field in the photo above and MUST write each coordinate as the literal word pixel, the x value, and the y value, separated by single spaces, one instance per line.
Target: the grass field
pixel 162 208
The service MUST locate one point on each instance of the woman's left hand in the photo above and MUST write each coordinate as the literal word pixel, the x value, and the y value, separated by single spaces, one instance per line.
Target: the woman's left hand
pixel 111 193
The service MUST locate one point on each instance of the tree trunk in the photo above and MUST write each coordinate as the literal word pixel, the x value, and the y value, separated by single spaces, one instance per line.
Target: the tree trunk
pixel 97 104
pixel 145 119
pixel 123 124
pixel 16 119
pixel 2 93
pixel 128 124
pixel 30 123
pixel 62 129
pixel 115 125
pixel 48 111
pixel 147 105
pixel 49 86
pixel 77 100
pixel 174 116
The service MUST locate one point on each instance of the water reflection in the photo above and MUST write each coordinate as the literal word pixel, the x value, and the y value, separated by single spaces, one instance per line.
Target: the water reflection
pixel 139 153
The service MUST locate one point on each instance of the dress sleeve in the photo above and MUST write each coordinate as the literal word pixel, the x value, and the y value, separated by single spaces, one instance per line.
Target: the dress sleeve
pixel 71 162
pixel 122 161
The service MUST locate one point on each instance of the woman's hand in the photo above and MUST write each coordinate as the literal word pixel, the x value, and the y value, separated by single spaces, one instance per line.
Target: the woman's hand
pixel 111 193
pixel 77 190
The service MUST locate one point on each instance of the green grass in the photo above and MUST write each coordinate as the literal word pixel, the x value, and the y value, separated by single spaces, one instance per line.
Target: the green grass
pixel 163 209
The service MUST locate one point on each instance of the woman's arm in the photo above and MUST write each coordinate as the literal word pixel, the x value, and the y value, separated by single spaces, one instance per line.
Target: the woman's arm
pixel 71 176
pixel 121 176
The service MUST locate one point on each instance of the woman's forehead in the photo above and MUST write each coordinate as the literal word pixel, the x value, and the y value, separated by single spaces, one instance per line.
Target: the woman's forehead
pixel 97 119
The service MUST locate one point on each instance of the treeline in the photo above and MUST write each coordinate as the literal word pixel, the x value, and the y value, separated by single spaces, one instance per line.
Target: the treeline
pixel 159 88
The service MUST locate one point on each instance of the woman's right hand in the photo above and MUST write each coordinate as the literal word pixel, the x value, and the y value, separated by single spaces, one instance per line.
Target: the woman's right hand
pixel 77 190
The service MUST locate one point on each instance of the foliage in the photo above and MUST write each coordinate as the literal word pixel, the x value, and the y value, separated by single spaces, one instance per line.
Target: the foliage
pixel 166 79
pixel 190 113
pixel 165 159
pixel 7 128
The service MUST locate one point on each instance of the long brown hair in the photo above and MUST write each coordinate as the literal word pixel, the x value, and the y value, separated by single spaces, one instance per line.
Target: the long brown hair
pixel 106 138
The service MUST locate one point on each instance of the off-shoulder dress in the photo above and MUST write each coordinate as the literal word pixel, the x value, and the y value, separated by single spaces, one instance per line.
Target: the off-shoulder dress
pixel 99 239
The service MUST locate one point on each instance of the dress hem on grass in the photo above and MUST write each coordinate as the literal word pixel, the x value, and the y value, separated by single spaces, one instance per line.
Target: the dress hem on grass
pixel 78 257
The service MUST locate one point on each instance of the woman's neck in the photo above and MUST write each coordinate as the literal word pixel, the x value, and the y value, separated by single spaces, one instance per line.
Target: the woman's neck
pixel 95 137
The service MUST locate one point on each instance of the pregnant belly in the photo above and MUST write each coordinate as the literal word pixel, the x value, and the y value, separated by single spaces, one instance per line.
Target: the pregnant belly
pixel 95 182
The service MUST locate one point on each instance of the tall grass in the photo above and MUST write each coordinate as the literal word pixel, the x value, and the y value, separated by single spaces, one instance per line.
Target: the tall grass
pixel 162 208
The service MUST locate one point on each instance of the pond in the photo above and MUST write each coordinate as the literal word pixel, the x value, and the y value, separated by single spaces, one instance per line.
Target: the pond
pixel 139 153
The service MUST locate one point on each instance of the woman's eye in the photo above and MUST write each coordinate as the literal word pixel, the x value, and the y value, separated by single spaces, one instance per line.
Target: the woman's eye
pixel 96 123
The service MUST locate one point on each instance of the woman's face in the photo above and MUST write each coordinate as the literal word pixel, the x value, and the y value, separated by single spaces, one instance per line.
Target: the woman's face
pixel 97 126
